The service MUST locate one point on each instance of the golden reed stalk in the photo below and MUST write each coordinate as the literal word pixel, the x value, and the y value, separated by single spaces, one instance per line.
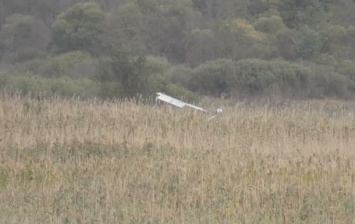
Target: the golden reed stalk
pixel 72 161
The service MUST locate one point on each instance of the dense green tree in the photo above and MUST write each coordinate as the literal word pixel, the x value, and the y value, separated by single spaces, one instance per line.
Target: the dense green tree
pixel 45 10
pixel 257 7
pixel 299 13
pixel 339 41
pixel 201 46
pixel 213 78
pixel 253 77
pixel 343 13
pixel 221 9
pixel 165 27
pixel 130 73
pixel 124 27
pixel 287 41
pixel 311 45
pixel 268 46
pixel 78 28
pixel 238 39
pixel 269 25
pixel 21 34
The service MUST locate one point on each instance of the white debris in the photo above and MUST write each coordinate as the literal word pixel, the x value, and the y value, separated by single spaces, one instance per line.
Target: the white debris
pixel 178 103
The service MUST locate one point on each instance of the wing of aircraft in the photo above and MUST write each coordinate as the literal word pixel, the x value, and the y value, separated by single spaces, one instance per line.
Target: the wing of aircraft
pixel 178 103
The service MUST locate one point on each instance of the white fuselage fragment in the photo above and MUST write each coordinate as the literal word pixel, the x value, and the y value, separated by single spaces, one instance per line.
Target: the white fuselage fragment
pixel 175 102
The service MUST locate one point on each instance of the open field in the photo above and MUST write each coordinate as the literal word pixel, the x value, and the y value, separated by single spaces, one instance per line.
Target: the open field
pixel 70 161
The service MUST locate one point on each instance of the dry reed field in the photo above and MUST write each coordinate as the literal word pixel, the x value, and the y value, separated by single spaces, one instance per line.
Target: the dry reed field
pixel 72 161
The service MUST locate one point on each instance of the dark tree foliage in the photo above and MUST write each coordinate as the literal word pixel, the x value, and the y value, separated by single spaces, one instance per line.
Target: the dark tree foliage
pixel 294 48
pixel 313 13
pixel 131 73
pixel 78 27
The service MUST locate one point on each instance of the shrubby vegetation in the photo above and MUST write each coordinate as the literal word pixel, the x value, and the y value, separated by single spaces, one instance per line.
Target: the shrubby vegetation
pixel 230 48
pixel 47 87
pixel 259 77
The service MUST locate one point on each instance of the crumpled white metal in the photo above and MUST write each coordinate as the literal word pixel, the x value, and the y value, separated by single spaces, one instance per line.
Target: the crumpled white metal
pixel 178 103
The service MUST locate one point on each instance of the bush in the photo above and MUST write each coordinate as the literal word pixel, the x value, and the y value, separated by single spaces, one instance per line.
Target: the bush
pixel 257 77
pixel 287 40
pixel 22 36
pixel 66 87
pixel 311 45
pixel 339 41
pixel 111 90
pixel 269 25
pixel 158 65
pixel 181 93
pixel 24 55
pixel 180 75
pixel 213 77
pixel 347 68
pixel 76 64
pixel 62 64
pixel 254 77
pixel 201 46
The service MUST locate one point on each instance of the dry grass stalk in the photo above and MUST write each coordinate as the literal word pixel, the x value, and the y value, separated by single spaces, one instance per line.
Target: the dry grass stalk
pixel 71 161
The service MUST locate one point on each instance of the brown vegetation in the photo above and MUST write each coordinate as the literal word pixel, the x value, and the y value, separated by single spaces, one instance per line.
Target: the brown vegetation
pixel 71 161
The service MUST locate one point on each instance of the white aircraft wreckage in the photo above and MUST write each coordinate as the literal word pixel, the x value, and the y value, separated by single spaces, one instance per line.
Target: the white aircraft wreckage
pixel 178 103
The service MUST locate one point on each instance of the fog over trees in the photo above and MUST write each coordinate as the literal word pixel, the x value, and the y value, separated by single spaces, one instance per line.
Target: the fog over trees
pixel 233 48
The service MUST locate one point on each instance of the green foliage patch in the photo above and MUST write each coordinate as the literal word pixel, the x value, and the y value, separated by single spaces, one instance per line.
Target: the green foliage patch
pixel 293 49
pixel 35 85
pixel 259 77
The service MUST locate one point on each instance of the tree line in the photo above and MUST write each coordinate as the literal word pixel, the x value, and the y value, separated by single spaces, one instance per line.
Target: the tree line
pixel 231 48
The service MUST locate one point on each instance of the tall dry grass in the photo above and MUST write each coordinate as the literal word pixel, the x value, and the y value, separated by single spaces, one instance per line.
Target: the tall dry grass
pixel 71 161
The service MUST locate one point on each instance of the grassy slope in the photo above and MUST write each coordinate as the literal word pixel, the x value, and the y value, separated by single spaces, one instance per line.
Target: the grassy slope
pixel 67 161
